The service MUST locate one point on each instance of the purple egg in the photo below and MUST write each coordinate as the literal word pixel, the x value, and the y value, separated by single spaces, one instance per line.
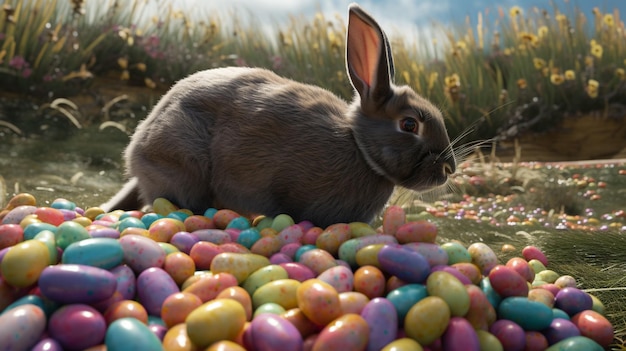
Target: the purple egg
pixel 560 329
pixel 298 271
pixel 234 234
pixel 405 264
pixel 215 236
pixel 75 283
pixel 460 335
pixel 290 249
pixel 141 252
pixel 68 215
pixel 154 285
pixel 77 327
pixel 271 332
pixel 184 241
pixel 47 344
pixel 305 225
pixel 433 253
pixel 105 233
pixel 510 334
pixel 279 258
pixel 382 319
pixel 572 300
pixel 342 263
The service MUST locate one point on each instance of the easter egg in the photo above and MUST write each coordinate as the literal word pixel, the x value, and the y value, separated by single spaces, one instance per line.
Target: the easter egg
pixel 594 326
pixel 10 234
pixel 451 290
pixel 348 332
pixel 126 308
pixel 456 252
pixel 522 267
pixel 67 320
pixel 488 342
pixel 481 313
pixel 240 295
pixel 565 281
pixel 359 229
pixel 297 271
pixel 47 344
pixel 560 329
pixel 130 334
pixel 301 322
pixel 215 320
pixel 70 232
pixel 317 260
pixel 470 270
pixel 271 332
pixel 47 237
pixel 533 253
pixel 318 301
pixel 404 297
pixel 416 231
pixel 177 307
pixel 141 253
pixel 23 264
pixel 541 295
pixel 427 320
pixel 369 255
pixel 535 341
pixel 225 345
pixel 154 285
pixel 547 275
pixel 348 250
pixel 263 276
pixel 22 327
pixel 460 335
pixel 339 277
pixel 528 314
pixel 507 282
pixel 403 344
pixel 179 266
pixel 352 302
pixel 103 253
pixel 203 252
pixel 576 343
pixel 50 215
pixel 370 281
pixel 572 301
pixel 382 319
pixel 483 257
pixel 208 286
pixel 214 236
pixel 510 334
pixel 332 237
pixel 281 291
pixel 281 222
pixel 74 283
pixel 239 265
pixel 176 339
pixel 405 264
pixel 269 307
pixel 433 253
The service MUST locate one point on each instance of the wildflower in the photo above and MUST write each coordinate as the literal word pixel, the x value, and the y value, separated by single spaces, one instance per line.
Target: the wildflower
pixel 570 74
pixel 26 72
pixel 592 88
pixel 596 11
pixel 620 73
pixel 432 78
pixel 141 66
pixel 461 45
pixel 588 61
pixel 608 20
pixel 18 62
pixel 596 50
pixel 522 84
pixel 452 81
pixel 529 38
pixel 557 79
pixel 122 62
pixel 149 83
pixel 545 71
pixel 515 11
pixel 561 18
pixel 539 63
pixel 125 75
pixel 542 32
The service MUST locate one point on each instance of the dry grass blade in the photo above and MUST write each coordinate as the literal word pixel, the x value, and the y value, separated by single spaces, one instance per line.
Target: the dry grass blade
pixel 111 124
pixel 107 107
pixel 11 127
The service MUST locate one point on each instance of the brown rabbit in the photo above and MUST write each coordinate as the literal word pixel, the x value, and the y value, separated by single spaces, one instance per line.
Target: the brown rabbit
pixel 251 141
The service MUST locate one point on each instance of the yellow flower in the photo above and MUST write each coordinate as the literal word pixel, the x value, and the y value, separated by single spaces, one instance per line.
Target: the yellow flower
pixel 596 51
pixel 570 74
pixel 557 79
pixel 608 20
pixel 521 83
pixel 592 88
pixel 122 62
pixel 452 81
pixel 141 67
pixel 432 78
pixel 620 73
pixel 125 75
pixel 461 45
pixel 508 52
pixel 149 83
pixel 588 61
pixel 539 63
pixel 529 38
pixel 592 83
pixel 542 31
pixel 561 18
pixel 515 11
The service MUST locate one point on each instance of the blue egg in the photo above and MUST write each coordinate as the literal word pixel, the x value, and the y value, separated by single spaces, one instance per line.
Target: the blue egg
pixel 34 228
pixel 405 264
pixel 492 296
pixel 576 343
pixel 181 216
pixel 63 204
pixel 528 314
pixel 130 222
pixel 130 334
pixel 103 253
pixel 148 218
pixel 46 305
pixel 210 212
pixel 248 237
pixel 239 223
pixel 558 313
pixel 404 297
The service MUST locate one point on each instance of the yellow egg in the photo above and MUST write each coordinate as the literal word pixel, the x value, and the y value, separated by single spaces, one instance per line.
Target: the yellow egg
pixel 427 320
pixel 404 344
pixel 451 290
pixel 176 339
pixel 263 276
pixel 163 206
pixel 319 301
pixel 488 342
pixel 348 332
pixel 24 262
pixel 282 292
pixel 226 345
pixel 352 302
pixel 214 321
pixel 368 256
pixel 237 264
pixel 240 295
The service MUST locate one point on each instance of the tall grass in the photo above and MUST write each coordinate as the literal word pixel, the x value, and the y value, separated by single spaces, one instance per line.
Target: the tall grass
pixel 497 74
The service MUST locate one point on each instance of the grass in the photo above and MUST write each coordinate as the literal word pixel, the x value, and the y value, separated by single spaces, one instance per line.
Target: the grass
pixel 499 74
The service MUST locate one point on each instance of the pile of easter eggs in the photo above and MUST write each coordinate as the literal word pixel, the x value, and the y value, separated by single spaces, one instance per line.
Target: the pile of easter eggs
pixel 75 279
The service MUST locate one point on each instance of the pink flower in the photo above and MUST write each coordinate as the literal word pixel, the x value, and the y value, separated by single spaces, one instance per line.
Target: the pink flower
pixel 26 72
pixel 18 63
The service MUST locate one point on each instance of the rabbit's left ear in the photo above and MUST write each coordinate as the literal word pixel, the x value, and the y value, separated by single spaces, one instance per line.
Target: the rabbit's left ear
pixel 368 57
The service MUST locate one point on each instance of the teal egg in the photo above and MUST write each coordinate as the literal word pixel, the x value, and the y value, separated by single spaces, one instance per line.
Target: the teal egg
pixel 70 232
pixel 558 313
pixel 179 215
pixel 34 228
pixel 456 253
pixel 576 343
pixel 404 297
pixel 46 305
pixel 240 223
pixel 103 253
pixel 209 212
pixel 149 218
pixel 47 237
pixel 528 314
pixel 248 237
pixel 131 222
pixel 63 204
pixel 492 296
pixel 130 334
pixel 302 249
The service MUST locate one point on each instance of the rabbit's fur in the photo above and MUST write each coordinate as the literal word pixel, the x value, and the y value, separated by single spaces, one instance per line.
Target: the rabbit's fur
pixel 251 141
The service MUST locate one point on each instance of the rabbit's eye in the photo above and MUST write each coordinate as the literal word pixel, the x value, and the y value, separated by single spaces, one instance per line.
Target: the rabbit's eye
pixel 410 125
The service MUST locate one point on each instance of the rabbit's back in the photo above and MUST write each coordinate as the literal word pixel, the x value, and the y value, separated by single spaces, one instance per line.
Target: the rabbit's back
pixel 250 140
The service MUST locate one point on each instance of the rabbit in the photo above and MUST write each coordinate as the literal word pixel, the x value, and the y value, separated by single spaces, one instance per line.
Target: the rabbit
pixel 249 140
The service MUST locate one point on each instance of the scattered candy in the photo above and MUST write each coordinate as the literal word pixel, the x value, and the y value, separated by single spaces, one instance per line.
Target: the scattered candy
pixel 169 279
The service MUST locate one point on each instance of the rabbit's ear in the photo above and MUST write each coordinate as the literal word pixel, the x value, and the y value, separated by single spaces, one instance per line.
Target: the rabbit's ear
pixel 368 56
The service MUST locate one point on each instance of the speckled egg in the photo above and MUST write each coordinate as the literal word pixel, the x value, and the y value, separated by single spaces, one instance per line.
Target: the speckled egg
pixel 130 334
pixel 339 277
pixel 73 283
pixel 510 334
pixel 271 332
pixel 427 320
pixel 215 320
pixel 405 264
pixel 369 281
pixel 528 314
pixel 483 256
pixel 404 297
pixel 281 291
pixel 141 253
pixel 507 282
pixel 23 264
pixel 348 332
pixel 154 285
pixel 319 301
pixel 67 320
pixel 451 290
pixel 572 300
pixel 460 335
pixel 457 253
pixel 22 327
pixel 332 237
pixel 594 326
pixel 417 231
pixel 382 319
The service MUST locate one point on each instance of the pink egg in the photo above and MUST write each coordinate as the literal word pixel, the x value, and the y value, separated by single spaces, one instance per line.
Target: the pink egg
pixel 10 234
pixel 522 267
pixel 339 277
pixel 507 282
pixel 481 313
pixel 417 231
pixel 298 271
pixel 203 252
pixel 535 341
pixel 77 327
pixel 291 234
pixel 532 252
pixel 594 326
pixel 460 336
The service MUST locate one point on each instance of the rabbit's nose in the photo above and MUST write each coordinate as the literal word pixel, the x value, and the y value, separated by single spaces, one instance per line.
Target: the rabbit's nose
pixel 449 166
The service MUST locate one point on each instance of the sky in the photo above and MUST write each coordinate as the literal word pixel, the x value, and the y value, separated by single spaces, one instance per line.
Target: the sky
pixel 400 15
